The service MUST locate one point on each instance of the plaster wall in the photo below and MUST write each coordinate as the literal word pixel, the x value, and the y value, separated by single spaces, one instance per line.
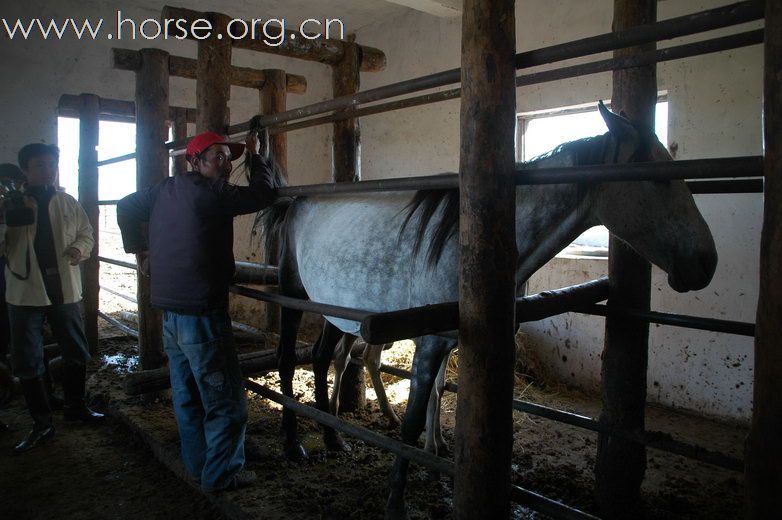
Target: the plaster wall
pixel 715 111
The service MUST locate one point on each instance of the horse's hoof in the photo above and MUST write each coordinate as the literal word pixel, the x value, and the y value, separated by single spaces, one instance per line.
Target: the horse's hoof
pixel 335 442
pixel 396 512
pixel 295 452
pixel 443 451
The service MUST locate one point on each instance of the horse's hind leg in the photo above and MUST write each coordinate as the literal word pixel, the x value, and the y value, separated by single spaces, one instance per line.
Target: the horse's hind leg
pixel 434 434
pixel 341 360
pixel 290 320
pixel 371 358
pixel 321 359
pixel 426 362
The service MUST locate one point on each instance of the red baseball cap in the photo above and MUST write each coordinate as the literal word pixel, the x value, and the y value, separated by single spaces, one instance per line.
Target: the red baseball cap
pixel 204 140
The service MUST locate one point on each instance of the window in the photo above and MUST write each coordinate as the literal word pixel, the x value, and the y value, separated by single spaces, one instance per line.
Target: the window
pixel 541 131
pixel 114 139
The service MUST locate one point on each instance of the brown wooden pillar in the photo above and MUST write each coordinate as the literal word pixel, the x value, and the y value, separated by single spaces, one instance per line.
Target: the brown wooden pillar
pixel 764 445
pixel 213 78
pixel 484 426
pixel 274 99
pixel 179 131
pixel 346 167
pixel 151 166
pixel 89 130
pixel 620 466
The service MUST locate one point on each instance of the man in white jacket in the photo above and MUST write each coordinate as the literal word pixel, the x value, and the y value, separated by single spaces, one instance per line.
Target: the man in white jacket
pixel 43 280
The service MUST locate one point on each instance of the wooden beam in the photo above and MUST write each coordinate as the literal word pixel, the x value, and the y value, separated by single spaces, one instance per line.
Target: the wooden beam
pixel 89 132
pixel 325 51
pixel 152 89
pixel 621 465
pixel 274 100
pixel 69 105
pixel 487 264
pixel 179 131
pixel 213 87
pixel 346 167
pixel 764 444
pixel 128 59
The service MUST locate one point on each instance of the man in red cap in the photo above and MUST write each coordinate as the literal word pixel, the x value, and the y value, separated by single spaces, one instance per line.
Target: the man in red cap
pixel 191 264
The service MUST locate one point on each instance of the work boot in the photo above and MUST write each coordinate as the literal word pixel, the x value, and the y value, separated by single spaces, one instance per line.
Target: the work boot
pixel 73 383
pixel 36 396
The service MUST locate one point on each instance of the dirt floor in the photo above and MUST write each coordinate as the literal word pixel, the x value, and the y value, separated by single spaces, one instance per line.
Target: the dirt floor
pixel 109 472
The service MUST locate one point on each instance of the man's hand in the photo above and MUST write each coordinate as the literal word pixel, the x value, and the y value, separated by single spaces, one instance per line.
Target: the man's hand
pixel 258 143
pixel 73 255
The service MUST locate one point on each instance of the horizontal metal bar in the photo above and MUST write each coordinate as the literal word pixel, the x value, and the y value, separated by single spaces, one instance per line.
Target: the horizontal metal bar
pixel 121 326
pixel 676 320
pixel 120 263
pixel 117 293
pixel 302 305
pixel 411 453
pixel 426 459
pixel 669 170
pixel 118 159
pixel 658 56
pixel 386 327
pixel 260 274
pixel 729 186
pixel 666 29
pixel 657 440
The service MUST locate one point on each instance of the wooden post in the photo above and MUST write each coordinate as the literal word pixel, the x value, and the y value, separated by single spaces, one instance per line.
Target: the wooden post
pixel 213 78
pixel 274 99
pixel 89 130
pixel 179 131
pixel 764 445
pixel 346 167
pixel 151 167
pixel 484 426
pixel 620 466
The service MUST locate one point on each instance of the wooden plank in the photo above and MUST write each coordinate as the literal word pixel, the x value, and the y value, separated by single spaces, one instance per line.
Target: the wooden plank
pixel 346 167
pixel 764 444
pixel 179 131
pixel 213 88
pixel 484 429
pixel 274 100
pixel 89 121
pixel 178 66
pixel 325 51
pixel 621 465
pixel 69 105
pixel 151 167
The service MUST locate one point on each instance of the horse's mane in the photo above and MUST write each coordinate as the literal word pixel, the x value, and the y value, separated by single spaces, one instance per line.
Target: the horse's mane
pixel 272 218
pixel 588 150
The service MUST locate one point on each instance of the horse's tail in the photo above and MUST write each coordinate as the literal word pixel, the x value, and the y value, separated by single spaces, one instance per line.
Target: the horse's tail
pixel 271 221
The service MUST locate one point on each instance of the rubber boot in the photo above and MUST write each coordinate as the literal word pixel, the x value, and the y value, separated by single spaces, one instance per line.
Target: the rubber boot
pixel 37 399
pixel 73 384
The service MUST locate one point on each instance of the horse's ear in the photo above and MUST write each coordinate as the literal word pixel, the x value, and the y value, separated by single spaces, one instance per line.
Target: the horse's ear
pixel 616 124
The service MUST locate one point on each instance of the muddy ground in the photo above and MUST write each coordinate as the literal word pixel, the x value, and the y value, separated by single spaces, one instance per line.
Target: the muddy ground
pixel 108 473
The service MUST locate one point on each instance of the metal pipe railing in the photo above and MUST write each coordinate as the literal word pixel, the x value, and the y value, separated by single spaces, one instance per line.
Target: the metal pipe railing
pixel 662 171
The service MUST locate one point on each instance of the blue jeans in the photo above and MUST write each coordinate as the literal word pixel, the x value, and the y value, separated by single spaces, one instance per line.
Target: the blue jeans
pixel 27 337
pixel 208 393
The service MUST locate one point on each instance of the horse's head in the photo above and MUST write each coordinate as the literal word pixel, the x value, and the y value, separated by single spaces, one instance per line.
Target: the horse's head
pixel 658 219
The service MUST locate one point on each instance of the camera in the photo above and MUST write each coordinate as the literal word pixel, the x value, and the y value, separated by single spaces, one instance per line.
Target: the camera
pixel 16 212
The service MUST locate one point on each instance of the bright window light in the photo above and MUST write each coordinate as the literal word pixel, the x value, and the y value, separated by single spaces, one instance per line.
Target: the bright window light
pixel 115 139
pixel 543 131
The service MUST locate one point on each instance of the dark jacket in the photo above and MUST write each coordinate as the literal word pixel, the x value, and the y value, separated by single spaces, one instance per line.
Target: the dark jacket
pixel 191 261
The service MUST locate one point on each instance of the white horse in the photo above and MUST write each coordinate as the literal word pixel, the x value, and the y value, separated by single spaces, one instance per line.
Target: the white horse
pixel 362 251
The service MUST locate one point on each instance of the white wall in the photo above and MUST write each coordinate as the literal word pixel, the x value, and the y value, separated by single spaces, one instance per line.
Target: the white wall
pixel 715 110
pixel 715 104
